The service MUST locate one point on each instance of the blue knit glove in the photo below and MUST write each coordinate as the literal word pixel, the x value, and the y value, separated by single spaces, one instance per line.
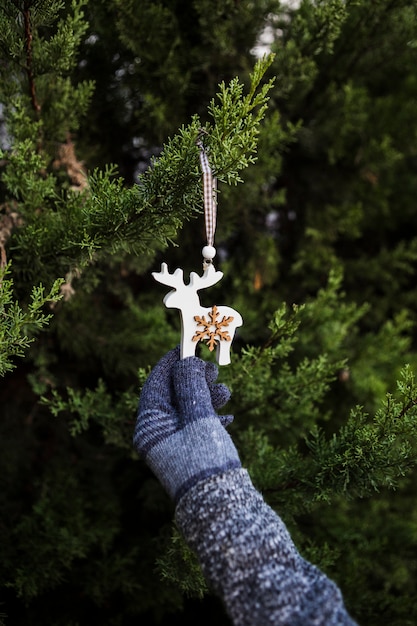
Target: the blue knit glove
pixel 178 431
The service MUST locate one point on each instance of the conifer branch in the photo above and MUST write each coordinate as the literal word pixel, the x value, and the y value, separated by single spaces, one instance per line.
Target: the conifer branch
pixel 10 220
pixel 406 408
pixel 29 59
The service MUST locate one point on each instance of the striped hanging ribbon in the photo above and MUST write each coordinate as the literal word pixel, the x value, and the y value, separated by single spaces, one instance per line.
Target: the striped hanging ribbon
pixel 210 199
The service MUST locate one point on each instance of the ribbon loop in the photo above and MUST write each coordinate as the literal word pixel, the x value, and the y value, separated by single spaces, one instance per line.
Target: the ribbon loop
pixel 210 195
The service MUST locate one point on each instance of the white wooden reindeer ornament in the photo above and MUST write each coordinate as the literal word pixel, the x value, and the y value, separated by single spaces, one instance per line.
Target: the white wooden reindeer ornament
pixel 216 325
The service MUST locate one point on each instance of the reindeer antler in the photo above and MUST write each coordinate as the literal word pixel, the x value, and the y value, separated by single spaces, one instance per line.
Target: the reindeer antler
pixel 175 280
pixel 210 277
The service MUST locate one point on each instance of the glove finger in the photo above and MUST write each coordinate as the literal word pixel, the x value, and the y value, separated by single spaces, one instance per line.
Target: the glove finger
pixel 226 420
pixel 157 389
pixel 191 389
pixel 212 371
pixel 163 368
pixel 220 395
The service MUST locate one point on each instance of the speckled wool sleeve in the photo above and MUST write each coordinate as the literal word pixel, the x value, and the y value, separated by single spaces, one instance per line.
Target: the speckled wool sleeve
pixel 249 559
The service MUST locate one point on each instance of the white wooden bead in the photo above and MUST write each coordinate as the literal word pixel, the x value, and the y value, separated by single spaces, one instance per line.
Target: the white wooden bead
pixel 209 252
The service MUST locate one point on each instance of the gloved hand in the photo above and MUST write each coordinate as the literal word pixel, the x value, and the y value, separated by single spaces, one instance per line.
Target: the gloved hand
pixel 178 431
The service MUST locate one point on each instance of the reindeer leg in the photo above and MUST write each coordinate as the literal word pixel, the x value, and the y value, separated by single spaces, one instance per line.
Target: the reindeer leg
pixel 223 352
pixel 188 346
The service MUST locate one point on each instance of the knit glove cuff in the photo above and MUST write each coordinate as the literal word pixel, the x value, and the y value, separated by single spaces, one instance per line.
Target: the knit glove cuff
pixel 201 449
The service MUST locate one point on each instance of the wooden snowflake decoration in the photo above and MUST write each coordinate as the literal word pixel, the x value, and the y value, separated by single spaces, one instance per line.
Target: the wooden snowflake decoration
pixel 213 329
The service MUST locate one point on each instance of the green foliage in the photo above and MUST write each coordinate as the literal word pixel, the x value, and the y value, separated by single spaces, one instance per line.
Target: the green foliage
pixel 179 566
pixel 101 107
pixel 19 327
pixel 39 43
pixel 236 111
pixel 180 53
pixel 106 217
pixel 58 521
pixel 97 406
pixel 286 398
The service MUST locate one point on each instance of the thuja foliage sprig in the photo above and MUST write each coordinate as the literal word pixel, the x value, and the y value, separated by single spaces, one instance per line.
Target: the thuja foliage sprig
pixel 173 181
pixel 97 406
pixel 365 455
pixel 108 216
pixel 369 454
pixel 38 43
pixel 179 565
pixel 234 110
pixel 302 451
pixel 18 326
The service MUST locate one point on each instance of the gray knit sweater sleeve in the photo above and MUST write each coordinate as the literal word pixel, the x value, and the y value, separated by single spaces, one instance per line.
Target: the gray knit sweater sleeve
pixel 249 559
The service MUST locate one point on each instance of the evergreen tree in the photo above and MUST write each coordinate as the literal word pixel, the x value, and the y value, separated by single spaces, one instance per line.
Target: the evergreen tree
pixel 102 104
